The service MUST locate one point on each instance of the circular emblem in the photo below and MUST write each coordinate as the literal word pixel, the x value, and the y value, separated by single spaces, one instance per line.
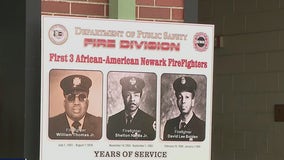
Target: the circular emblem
pixel 200 41
pixel 58 34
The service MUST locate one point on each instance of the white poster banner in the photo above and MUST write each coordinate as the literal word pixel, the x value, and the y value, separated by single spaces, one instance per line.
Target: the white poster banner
pixel 121 89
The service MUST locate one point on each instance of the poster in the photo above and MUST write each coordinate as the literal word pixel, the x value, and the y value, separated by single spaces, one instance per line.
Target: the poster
pixel 119 89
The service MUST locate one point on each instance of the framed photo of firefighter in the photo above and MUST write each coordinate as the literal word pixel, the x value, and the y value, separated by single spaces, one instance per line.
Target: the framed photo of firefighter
pixel 183 107
pixel 131 106
pixel 75 107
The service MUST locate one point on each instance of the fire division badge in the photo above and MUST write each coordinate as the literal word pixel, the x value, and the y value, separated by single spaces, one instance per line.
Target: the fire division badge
pixel 200 41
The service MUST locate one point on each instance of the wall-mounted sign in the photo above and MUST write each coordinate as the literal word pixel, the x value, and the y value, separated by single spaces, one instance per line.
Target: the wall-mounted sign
pixel 115 89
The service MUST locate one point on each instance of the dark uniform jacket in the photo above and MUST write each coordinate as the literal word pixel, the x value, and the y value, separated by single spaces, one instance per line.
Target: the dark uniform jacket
pixel 141 127
pixel 193 131
pixel 59 128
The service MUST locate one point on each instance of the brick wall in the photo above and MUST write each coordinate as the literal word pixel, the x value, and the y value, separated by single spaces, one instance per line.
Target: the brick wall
pixel 160 10
pixel 150 10
pixel 81 8
pixel 248 78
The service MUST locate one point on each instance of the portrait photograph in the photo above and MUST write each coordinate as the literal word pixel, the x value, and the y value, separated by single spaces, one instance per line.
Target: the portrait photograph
pixel 75 104
pixel 131 106
pixel 183 107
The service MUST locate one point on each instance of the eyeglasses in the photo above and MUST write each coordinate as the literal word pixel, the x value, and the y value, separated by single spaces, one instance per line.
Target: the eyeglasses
pixel 72 97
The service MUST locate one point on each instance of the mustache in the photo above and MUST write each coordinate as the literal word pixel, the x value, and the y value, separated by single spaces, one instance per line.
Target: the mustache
pixel 131 103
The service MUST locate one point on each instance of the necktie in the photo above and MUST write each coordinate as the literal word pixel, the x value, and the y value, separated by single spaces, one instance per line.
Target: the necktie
pixel 76 124
pixel 128 120
pixel 182 125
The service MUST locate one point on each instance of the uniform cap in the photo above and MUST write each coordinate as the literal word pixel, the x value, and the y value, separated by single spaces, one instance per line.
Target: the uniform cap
pixel 132 84
pixel 75 82
pixel 185 84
